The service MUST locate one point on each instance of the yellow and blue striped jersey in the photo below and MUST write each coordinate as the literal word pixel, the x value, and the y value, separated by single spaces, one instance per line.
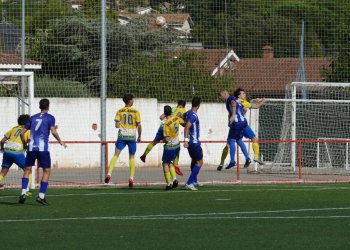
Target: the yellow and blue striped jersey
pixel 129 119
pixel 14 142
pixel 178 111
pixel 171 131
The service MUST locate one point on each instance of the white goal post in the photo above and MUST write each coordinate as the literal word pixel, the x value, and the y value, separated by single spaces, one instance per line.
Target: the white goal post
pixel 24 93
pixel 29 87
pixel 325 102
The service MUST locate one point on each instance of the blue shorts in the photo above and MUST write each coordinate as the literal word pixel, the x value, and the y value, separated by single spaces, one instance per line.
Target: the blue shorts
pixel 120 144
pixel 43 157
pixel 10 157
pixel 236 130
pixel 248 132
pixel 159 135
pixel 195 151
pixel 169 154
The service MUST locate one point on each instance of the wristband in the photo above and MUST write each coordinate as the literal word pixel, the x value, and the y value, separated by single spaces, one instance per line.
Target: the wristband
pixel 187 139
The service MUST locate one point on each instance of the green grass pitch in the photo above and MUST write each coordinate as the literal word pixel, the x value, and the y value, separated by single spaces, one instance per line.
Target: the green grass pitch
pixel 299 216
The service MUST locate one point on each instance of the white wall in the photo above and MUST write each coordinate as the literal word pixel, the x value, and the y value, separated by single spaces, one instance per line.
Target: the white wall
pixel 74 117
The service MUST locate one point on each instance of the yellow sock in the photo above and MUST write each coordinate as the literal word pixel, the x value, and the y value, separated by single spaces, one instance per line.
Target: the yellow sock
pixel 148 149
pixel 176 161
pixel 1 177
pixel 167 178
pixel 256 150
pixel 112 164
pixel 132 166
pixel 224 155
pixel 30 181
pixel 172 172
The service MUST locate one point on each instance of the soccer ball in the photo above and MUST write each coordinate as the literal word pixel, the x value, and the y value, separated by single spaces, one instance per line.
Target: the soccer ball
pixel 160 21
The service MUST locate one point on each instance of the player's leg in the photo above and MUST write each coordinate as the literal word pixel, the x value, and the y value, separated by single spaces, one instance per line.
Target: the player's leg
pixel 159 136
pixel 223 156
pixel 132 151
pixel 5 166
pixel 249 133
pixel 172 167
pixel 166 172
pixel 29 162
pixel 196 153
pixel 20 160
pixel 176 164
pixel 148 149
pixel 245 152
pixel 232 144
pixel 119 146
pixel 44 161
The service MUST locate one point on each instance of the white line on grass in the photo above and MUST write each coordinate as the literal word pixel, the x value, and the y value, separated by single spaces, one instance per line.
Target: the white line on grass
pixel 199 216
pixel 136 192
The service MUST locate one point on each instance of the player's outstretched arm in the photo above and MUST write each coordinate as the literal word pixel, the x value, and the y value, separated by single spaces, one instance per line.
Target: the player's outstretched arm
pixel 57 136
pixel 259 103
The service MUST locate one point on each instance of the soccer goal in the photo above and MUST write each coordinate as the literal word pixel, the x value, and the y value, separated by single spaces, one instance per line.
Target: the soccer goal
pixel 21 86
pixel 333 153
pixel 17 96
pixel 310 111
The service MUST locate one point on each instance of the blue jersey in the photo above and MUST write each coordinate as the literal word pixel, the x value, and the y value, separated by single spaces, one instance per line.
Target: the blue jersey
pixel 239 117
pixel 39 126
pixel 192 117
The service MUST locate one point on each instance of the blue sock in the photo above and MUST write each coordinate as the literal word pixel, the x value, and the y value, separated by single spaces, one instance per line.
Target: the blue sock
pixel 194 173
pixel 25 183
pixel 43 187
pixel 244 149
pixel 232 150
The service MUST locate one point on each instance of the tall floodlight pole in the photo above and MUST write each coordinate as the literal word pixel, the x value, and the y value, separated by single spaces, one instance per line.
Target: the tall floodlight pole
pixel 103 89
pixel 21 104
pixel 301 70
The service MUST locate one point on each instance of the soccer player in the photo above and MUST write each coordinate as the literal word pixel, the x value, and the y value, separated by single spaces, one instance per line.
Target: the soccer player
pixel 171 146
pixel 40 126
pixel 231 103
pixel 237 123
pixel 13 148
pixel 248 132
pixel 127 120
pixel 179 110
pixel 193 144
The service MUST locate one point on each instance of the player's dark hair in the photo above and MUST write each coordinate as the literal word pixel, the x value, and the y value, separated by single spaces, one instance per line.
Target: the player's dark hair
pixel 167 110
pixel 181 103
pixel 127 98
pixel 196 101
pixel 237 92
pixel 44 104
pixel 22 119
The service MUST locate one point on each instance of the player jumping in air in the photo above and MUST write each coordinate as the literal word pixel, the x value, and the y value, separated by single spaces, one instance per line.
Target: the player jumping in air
pixel 179 110
pixel 40 126
pixel 13 149
pixel 171 146
pixel 193 144
pixel 128 121
pixel 231 104
pixel 248 132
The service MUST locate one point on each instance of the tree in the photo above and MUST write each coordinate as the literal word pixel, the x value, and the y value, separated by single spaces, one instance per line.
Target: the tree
pixel 167 78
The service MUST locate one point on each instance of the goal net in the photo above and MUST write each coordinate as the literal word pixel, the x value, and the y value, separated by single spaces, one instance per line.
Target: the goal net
pixel 17 91
pixel 310 113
